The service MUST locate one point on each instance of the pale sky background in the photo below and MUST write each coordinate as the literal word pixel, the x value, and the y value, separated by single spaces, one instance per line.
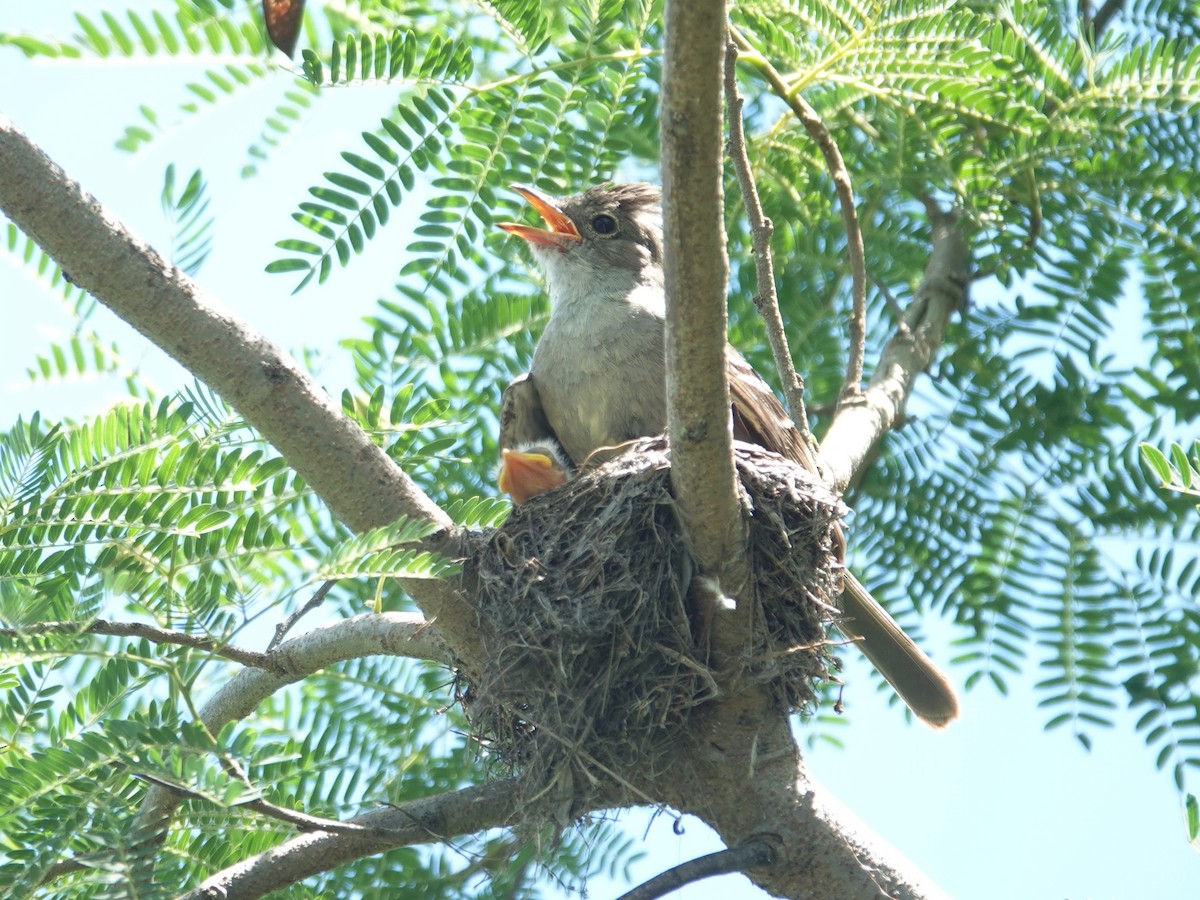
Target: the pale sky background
pixel 992 808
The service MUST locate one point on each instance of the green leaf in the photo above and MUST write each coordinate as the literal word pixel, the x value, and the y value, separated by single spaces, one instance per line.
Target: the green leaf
pixel 1156 462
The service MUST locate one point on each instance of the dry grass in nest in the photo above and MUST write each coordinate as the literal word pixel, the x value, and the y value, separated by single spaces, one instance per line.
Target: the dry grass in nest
pixel 591 664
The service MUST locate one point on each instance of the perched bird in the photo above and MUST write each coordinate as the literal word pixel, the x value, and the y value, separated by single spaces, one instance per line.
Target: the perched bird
pixel 531 459
pixel 598 379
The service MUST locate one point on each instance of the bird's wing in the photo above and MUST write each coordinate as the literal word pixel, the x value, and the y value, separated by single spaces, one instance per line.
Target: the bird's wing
pixel 759 417
pixel 522 419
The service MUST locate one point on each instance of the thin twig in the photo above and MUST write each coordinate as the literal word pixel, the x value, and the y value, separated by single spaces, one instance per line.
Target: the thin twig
pixel 302 821
pixel 894 305
pixel 766 300
pixel 841 182
pixel 287 624
pixel 750 855
pixel 141 630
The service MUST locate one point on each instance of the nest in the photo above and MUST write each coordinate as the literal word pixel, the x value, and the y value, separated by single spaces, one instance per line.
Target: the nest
pixel 591 658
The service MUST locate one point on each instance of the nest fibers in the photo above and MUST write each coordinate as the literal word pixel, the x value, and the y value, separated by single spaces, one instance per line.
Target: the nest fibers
pixel 591 663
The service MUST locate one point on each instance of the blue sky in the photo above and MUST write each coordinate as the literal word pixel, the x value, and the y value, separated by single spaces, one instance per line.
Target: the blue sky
pixel 991 808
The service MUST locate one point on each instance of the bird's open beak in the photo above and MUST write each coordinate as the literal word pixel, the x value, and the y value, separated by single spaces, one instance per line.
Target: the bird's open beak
pixel 525 475
pixel 560 232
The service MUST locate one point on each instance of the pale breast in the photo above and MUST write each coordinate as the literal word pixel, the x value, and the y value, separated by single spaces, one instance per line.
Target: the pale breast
pixel 601 376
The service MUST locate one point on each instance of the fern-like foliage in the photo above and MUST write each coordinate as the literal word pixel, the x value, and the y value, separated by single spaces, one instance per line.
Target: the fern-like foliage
pixel 1012 501
pixel 1014 498
pixel 188 212
pixel 174 511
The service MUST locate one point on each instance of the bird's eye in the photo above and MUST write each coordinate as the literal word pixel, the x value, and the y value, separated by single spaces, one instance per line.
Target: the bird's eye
pixel 604 224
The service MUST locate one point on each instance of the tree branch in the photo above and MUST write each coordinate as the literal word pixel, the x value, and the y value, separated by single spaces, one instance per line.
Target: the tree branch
pixel 151 633
pixel 821 848
pixel 750 778
pixel 858 427
pixel 766 300
pixel 282 629
pixel 439 817
pixel 841 182
pixel 362 486
pixel 696 272
pixel 302 821
pixel 391 634
pixel 750 855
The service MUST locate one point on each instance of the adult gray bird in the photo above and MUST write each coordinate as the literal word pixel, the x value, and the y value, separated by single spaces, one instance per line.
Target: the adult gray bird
pixel 599 377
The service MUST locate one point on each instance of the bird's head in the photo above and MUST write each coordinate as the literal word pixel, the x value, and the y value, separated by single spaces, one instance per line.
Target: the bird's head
pixel 532 468
pixel 610 232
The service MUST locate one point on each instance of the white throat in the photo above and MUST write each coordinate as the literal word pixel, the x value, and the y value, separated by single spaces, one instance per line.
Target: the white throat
pixel 580 290
pixel 599 363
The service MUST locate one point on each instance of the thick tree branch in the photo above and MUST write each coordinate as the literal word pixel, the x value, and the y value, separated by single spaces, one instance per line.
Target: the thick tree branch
pixel 361 485
pixel 821 849
pixel 858 427
pixel 766 300
pixel 429 819
pixel 748 781
pixel 696 272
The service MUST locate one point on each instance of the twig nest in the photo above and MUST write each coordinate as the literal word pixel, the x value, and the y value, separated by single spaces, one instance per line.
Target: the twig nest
pixel 592 661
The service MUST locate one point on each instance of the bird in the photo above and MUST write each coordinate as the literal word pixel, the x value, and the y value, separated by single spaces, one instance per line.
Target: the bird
pixel 598 380
pixel 531 459
pixel 532 468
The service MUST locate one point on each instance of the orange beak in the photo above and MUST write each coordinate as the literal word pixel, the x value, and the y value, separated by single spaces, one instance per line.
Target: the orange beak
pixel 525 475
pixel 560 232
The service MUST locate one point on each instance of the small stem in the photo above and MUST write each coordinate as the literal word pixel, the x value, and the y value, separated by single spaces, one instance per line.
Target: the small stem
pixel 149 632
pixel 766 299
pixel 841 182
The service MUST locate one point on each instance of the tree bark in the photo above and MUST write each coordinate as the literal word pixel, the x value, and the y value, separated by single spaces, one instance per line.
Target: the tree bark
pixel 696 272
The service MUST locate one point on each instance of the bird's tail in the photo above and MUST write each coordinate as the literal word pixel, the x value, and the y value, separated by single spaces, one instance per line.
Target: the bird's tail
pixel 916 679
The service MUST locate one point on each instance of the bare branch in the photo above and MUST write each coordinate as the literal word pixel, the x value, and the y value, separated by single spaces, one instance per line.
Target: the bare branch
pixel 289 623
pixel 432 818
pixel 303 821
pixel 142 630
pixel 696 274
pixel 766 300
pixel 749 855
pixel 841 182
